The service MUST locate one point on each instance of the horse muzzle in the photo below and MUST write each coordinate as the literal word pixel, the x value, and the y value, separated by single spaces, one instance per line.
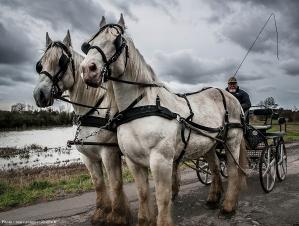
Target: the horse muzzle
pixel 43 98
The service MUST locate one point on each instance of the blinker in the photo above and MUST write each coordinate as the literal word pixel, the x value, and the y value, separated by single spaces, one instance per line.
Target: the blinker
pixel 38 67
pixel 85 47
pixel 63 61
pixel 118 42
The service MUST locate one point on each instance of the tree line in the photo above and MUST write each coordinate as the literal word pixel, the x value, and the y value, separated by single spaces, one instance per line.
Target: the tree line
pixel 25 119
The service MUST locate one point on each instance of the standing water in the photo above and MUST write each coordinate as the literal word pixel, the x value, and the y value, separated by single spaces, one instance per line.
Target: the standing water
pixel 51 148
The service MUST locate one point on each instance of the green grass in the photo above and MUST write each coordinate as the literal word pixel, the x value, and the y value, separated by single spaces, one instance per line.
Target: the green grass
pixel 127 176
pixel 292 131
pixel 13 195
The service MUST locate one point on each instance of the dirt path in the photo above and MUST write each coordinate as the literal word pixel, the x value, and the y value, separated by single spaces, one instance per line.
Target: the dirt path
pixel 280 207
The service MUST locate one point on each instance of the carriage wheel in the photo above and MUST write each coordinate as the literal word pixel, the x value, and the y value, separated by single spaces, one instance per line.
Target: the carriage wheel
pixel 203 171
pixel 281 159
pixel 223 169
pixel 267 169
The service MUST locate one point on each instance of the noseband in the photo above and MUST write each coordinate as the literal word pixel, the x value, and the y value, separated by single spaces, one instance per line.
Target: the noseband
pixel 64 62
pixel 119 43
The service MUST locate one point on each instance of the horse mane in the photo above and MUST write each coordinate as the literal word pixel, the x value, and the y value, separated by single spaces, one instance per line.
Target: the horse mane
pixel 49 56
pixel 137 65
pixel 82 93
pixel 139 70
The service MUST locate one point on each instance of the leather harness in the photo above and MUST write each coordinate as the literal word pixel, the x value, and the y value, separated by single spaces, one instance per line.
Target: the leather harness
pixel 132 113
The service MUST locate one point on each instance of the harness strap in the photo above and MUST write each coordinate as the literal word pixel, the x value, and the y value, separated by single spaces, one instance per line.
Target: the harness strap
pixel 142 84
pixel 196 92
pixel 140 112
pixel 201 127
pixel 81 105
pixel 226 120
pixel 71 142
pixel 101 52
pixel 183 127
pixel 134 102
pixel 93 121
pixel 92 110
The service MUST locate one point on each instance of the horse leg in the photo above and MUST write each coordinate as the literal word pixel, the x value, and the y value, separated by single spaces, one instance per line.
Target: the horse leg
pixel 103 203
pixel 176 180
pixel 145 211
pixel 236 178
pixel 120 214
pixel 162 173
pixel 216 185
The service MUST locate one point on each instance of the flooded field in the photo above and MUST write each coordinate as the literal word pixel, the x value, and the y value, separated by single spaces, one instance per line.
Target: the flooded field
pixel 37 148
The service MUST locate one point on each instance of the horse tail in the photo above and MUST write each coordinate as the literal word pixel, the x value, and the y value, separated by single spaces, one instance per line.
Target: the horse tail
pixel 243 162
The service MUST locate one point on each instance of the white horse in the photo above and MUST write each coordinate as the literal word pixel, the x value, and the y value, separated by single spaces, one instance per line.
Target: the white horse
pixel 155 142
pixel 112 207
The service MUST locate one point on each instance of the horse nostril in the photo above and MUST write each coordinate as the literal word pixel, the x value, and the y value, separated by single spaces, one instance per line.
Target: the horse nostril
pixel 92 67
pixel 42 96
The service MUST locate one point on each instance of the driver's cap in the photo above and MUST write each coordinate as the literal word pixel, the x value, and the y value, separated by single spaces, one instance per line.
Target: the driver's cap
pixel 232 80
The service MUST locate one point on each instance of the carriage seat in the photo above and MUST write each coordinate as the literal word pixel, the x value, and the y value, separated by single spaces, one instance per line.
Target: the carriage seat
pixel 271 135
pixel 262 127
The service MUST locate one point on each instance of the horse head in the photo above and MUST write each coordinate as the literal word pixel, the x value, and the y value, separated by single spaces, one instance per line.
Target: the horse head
pixel 105 52
pixel 56 71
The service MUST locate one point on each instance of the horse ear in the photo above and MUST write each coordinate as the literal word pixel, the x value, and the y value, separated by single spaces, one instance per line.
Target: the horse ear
pixel 103 22
pixel 67 40
pixel 48 39
pixel 121 21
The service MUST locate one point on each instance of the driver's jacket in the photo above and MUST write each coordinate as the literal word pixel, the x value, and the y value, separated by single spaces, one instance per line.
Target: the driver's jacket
pixel 243 98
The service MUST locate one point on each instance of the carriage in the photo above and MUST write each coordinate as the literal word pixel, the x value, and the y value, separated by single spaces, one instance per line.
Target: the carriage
pixel 265 148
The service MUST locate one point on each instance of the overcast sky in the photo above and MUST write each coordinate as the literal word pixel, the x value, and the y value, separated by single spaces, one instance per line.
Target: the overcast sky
pixel 189 43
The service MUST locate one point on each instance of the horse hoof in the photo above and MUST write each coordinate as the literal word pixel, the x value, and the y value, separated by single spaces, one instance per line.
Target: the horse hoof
pixel 227 214
pixel 99 218
pixel 115 219
pixel 99 222
pixel 145 222
pixel 212 205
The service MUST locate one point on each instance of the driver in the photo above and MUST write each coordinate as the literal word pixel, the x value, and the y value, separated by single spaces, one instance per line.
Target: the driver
pixel 241 95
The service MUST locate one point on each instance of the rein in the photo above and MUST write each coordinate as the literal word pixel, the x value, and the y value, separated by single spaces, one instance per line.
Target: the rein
pixel 79 104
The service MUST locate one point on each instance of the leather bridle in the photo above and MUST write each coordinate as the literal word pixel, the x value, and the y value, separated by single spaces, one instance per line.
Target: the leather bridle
pixel 64 62
pixel 120 45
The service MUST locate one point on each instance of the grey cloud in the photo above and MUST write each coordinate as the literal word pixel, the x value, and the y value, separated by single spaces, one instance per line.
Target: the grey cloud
pixel 245 33
pixel 126 6
pixel 18 73
pixel 78 14
pixel 266 89
pixel 249 77
pixel 15 46
pixel 250 16
pixel 184 66
pixel 221 10
pixel 291 67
